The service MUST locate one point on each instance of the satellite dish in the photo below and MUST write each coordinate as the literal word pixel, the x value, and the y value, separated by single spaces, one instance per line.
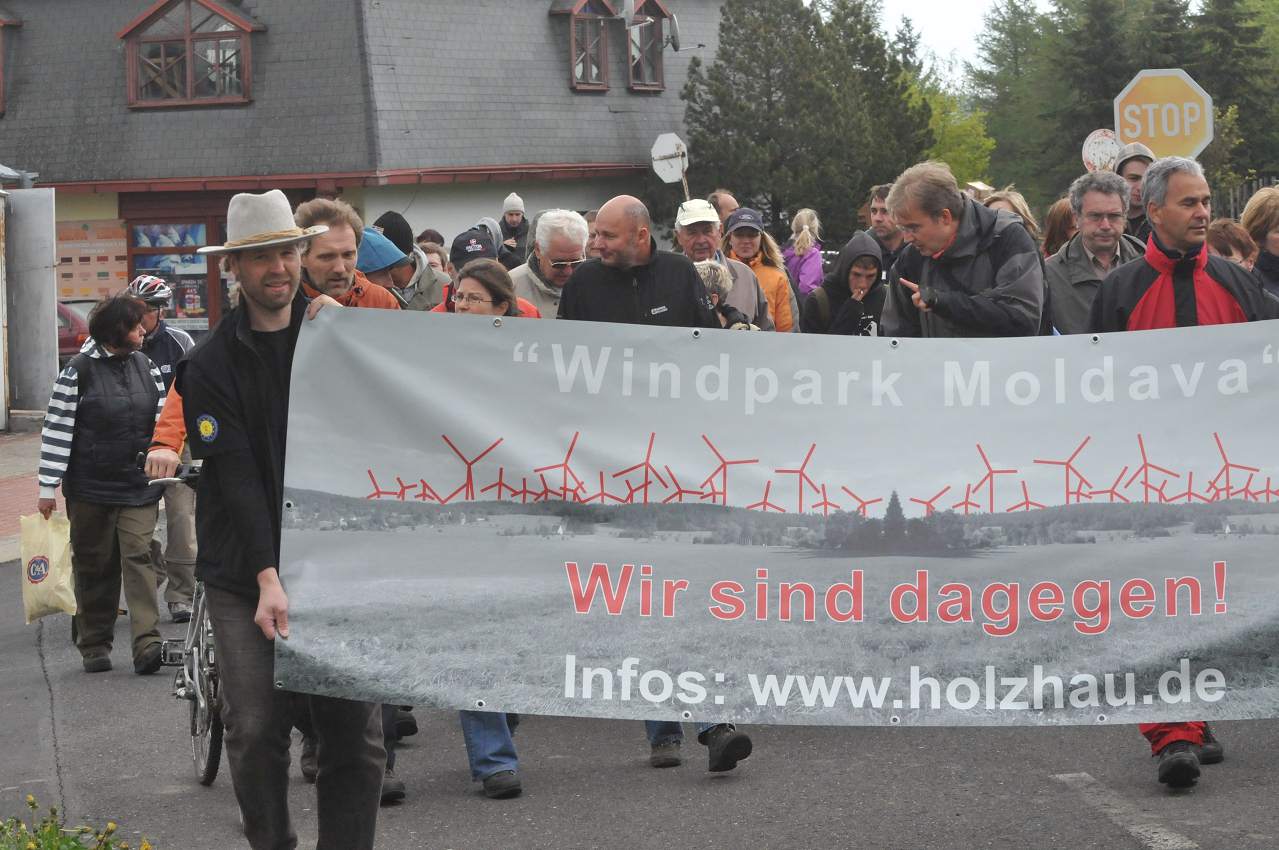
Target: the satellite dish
pixel 673 40
pixel 670 158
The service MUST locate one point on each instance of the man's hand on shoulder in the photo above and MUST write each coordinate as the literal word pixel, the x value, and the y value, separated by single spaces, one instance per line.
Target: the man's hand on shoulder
pixel 319 303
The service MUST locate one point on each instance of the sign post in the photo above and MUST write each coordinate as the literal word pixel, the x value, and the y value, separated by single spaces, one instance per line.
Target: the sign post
pixel 1165 110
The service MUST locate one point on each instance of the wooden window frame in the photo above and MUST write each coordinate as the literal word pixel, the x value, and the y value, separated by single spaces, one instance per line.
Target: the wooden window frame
pixel 600 23
pixel 659 15
pixel 135 38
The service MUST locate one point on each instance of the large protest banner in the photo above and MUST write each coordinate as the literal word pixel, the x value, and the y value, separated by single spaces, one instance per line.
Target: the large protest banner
pixel 618 521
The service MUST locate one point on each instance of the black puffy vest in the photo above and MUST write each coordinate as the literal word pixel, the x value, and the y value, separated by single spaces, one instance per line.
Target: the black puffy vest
pixel 115 418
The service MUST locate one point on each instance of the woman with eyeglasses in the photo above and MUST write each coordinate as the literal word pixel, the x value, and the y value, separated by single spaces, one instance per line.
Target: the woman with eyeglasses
pixel 484 288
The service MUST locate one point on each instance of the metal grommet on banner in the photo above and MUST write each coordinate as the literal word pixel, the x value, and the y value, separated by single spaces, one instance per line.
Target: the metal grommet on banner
pixel 279 686
pixel 687 715
pixel 697 333
pixel 1101 718
pixel 497 323
pixel 289 504
pixel 894 720
pixel 479 703
pixel 893 343
pixel 1096 338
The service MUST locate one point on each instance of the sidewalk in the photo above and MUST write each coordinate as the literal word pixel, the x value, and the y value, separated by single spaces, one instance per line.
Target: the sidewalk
pixel 19 457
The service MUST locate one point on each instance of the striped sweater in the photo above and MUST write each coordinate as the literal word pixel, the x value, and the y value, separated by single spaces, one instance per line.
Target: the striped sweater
pixel 59 421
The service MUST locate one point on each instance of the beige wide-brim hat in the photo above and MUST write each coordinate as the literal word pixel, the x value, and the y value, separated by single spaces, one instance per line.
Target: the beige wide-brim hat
pixel 259 221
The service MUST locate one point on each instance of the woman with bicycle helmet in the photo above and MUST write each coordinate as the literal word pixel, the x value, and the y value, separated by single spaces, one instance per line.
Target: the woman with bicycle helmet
pixel 166 345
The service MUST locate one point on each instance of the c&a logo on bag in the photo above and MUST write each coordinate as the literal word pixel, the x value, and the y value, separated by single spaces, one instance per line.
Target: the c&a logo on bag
pixel 37 569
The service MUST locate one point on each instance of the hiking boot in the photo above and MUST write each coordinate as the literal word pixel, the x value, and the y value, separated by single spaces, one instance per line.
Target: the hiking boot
pixel 512 722
pixel 665 754
pixel 1211 751
pixel 96 663
pixel 405 723
pixel 726 747
pixel 180 612
pixel 308 762
pixel 502 785
pixel 1179 764
pixel 148 660
pixel 392 788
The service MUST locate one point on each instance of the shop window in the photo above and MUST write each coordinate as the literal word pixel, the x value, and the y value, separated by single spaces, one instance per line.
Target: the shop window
pixel 168 250
pixel 645 41
pixel 189 52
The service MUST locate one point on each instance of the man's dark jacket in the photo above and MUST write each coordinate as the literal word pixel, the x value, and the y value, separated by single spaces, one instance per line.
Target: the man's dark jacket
pixel 236 422
pixel 665 291
pixel 831 308
pixel 988 283
pixel 1168 289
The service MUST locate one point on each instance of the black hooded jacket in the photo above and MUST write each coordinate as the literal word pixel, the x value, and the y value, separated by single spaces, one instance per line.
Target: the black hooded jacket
pixel 520 235
pixel 831 309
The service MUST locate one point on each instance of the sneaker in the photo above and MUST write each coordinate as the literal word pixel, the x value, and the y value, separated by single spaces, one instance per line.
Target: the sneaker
pixel 308 762
pixel 96 663
pixel 180 612
pixel 392 788
pixel 405 723
pixel 666 754
pixel 1211 751
pixel 502 785
pixel 148 660
pixel 726 747
pixel 1179 764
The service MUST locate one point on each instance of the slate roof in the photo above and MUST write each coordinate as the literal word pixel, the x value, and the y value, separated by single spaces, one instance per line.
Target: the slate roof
pixel 339 86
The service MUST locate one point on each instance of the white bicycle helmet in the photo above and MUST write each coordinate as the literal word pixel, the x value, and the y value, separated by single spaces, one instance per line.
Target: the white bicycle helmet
pixel 151 289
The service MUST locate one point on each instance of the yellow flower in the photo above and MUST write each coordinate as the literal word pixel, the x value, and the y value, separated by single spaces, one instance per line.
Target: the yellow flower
pixel 111 827
pixel 146 845
pixel 31 801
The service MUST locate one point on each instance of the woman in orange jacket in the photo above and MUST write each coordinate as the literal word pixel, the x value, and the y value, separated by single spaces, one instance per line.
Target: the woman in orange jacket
pixel 746 241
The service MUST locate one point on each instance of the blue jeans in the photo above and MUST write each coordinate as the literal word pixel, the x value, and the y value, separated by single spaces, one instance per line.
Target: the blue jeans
pixel 489 747
pixel 665 731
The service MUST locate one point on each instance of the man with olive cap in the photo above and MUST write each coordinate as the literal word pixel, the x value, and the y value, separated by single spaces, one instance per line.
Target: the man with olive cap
pixel 1131 164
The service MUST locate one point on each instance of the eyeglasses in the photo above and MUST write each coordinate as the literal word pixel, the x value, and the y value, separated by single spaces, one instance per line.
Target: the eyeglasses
pixel 469 298
pixel 567 264
pixel 1099 217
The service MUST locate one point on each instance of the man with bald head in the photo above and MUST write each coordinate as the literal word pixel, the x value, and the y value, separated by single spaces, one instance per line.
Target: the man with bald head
pixel 632 281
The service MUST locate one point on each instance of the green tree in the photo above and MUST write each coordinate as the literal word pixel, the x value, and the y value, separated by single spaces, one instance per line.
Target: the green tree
pixel 1164 38
pixel 1235 68
pixel 894 521
pixel 959 136
pixel 802 106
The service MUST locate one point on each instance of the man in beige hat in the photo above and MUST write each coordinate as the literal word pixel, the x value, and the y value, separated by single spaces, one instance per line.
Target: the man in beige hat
pixel 701 236
pixel 1131 164
pixel 235 387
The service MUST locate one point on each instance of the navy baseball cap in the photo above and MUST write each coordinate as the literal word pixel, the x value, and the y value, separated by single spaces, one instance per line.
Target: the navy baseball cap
pixel 377 253
pixel 473 244
pixel 744 217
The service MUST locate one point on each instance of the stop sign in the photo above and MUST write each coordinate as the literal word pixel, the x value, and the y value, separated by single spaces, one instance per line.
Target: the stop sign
pixel 1165 110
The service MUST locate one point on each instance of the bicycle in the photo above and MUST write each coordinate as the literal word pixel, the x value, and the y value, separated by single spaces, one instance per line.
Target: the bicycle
pixel 196 681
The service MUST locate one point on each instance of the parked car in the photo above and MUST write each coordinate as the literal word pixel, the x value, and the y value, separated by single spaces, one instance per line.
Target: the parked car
pixel 73 330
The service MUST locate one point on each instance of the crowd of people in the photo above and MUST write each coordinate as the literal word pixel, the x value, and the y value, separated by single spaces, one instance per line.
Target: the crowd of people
pixel 1129 249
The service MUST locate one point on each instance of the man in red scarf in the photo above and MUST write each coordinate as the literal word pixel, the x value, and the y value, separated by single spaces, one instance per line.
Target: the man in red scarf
pixel 1178 284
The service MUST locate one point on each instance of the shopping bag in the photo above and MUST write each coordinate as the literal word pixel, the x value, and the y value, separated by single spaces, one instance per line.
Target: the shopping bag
pixel 47 586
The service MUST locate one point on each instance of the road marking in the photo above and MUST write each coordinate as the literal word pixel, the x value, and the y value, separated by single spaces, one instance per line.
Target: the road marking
pixel 1140 825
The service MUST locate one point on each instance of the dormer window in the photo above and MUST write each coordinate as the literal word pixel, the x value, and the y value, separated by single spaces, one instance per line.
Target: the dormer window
pixel 588 41
pixel 644 45
pixel 188 53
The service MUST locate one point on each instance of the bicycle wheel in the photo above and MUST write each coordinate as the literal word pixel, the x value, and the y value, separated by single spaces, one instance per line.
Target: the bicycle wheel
pixel 206 719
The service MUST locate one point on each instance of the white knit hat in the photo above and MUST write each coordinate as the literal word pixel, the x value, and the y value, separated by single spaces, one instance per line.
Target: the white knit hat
pixel 513 203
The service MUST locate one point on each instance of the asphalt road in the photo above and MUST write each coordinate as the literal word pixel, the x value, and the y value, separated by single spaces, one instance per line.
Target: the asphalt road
pixel 114 746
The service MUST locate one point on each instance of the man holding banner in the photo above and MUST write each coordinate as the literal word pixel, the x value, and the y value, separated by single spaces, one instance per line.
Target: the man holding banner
pixel 235 387
pixel 1177 283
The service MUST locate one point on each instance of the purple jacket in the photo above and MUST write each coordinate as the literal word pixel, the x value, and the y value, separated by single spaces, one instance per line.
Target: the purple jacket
pixel 805 271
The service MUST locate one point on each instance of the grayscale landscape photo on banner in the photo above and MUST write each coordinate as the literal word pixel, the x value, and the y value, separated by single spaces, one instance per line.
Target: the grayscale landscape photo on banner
pixel 618 521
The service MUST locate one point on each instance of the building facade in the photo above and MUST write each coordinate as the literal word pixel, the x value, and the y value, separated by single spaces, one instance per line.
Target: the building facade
pixel 147 115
